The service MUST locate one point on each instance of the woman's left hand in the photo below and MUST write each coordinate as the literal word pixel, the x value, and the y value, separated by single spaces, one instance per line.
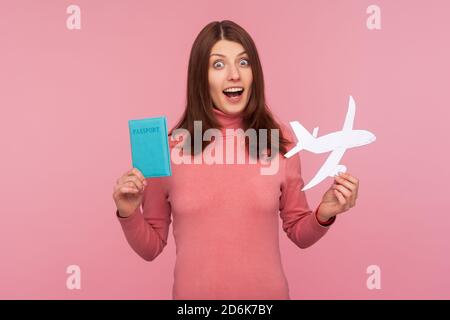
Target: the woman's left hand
pixel 340 197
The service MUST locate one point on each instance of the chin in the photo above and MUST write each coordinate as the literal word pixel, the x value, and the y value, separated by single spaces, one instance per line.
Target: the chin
pixel 234 109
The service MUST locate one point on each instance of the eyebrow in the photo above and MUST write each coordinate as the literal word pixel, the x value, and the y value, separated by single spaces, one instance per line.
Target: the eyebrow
pixel 221 55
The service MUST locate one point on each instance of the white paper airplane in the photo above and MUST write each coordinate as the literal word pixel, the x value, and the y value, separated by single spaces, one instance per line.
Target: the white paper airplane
pixel 337 142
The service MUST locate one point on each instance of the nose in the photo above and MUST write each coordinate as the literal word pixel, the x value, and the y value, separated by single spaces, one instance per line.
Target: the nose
pixel 233 73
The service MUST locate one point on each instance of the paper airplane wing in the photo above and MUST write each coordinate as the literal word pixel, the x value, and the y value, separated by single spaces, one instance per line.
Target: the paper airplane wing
pixel 327 168
pixel 350 117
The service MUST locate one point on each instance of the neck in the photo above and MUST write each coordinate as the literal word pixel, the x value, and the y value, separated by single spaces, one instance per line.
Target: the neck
pixel 227 120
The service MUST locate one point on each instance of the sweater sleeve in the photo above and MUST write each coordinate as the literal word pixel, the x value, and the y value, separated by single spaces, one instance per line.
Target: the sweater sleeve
pixel 146 229
pixel 299 222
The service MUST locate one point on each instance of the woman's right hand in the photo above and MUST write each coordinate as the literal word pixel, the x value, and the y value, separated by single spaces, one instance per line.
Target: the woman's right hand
pixel 128 192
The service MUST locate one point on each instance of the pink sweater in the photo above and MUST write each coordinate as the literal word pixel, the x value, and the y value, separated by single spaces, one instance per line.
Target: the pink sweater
pixel 225 224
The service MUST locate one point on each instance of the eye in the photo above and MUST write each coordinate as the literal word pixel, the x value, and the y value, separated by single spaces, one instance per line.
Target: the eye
pixel 215 63
pixel 247 62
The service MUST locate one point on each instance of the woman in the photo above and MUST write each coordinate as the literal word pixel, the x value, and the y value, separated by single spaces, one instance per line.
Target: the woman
pixel 225 216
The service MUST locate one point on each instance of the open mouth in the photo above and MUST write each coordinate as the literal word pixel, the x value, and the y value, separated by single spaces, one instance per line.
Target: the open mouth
pixel 233 93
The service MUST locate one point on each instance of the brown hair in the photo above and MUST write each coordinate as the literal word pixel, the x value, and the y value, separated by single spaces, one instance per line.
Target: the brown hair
pixel 199 104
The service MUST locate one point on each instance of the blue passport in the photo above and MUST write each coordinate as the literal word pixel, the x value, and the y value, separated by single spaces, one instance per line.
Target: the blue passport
pixel 150 146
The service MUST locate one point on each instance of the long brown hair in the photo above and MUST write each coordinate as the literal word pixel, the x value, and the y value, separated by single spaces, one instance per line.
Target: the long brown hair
pixel 199 104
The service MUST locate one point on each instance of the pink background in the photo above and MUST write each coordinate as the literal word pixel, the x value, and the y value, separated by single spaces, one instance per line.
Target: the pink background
pixel 66 97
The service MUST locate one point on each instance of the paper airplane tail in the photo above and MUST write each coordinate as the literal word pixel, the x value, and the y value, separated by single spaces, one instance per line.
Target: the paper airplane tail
pixel 304 138
pixel 303 135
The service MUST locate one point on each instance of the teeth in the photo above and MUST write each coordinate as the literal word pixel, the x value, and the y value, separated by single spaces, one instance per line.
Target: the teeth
pixel 233 89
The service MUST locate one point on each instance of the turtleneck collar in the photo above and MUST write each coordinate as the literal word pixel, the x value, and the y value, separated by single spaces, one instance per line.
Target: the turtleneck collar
pixel 228 121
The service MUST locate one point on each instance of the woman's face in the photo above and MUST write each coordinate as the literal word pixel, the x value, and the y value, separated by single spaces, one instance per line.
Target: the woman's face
pixel 229 67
